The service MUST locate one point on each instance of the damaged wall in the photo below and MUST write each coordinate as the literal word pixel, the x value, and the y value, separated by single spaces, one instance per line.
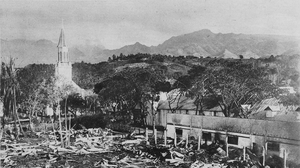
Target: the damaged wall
pixel 244 132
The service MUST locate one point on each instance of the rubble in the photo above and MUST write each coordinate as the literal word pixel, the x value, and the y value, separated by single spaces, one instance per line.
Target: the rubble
pixel 107 148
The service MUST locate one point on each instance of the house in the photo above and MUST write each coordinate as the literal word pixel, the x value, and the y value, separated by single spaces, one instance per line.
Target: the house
pixel 181 104
pixel 272 109
pixel 215 111
pixel 288 89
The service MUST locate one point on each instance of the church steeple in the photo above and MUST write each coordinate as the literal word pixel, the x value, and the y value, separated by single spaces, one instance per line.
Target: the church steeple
pixel 62 41
pixel 63 66
pixel 63 55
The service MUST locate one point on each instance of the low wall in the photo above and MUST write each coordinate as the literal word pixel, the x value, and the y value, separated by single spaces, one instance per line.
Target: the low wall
pixel 248 131
pixel 276 129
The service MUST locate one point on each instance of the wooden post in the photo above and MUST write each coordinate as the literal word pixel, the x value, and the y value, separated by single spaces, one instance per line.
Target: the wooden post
pixel 155 136
pixel 199 139
pixel 244 153
pixel 60 128
pixel 175 139
pixel 146 134
pixel 266 148
pixel 165 136
pixel 199 142
pixel 213 137
pixel 70 122
pixel 226 143
pixel 66 118
pixel 52 123
pixel 45 128
pixel 251 143
pixel 187 141
pixel 284 158
pixel 69 132
pixel 264 156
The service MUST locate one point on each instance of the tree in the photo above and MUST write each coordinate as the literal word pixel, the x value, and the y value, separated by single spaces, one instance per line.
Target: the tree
pixel 237 83
pixel 114 57
pixel 193 86
pixel 199 86
pixel 35 82
pixel 129 88
pixel 77 103
pixel 116 93
pixel 59 95
pixel 10 91
pixel 86 75
pixel 290 100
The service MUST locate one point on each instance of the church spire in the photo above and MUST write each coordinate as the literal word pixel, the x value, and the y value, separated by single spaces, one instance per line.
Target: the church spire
pixel 63 66
pixel 62 40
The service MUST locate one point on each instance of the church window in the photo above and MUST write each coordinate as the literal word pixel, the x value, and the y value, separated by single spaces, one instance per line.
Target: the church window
pixel 60 57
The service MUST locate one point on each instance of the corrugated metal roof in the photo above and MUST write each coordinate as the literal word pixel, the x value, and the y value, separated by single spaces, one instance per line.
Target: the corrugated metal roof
pixel 284 113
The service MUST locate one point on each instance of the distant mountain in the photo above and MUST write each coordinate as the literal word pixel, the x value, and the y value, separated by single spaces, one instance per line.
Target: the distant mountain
pixel 27 51
pixel 205 43
pixel 126 50
pixel 227 54
pixel 200 43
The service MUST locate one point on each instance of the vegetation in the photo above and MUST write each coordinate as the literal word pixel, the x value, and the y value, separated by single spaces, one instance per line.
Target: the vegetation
pixel 126 83
pixel 9 90
pixel 129 88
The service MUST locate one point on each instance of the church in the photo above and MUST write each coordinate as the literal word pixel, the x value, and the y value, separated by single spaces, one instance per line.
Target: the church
pixel 63 72
pixel 63 67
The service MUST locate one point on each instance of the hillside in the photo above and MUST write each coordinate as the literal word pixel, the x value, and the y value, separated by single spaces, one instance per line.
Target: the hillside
pixel 200 43
pixel 205 43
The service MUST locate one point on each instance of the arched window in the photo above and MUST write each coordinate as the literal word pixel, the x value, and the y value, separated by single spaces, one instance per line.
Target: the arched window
pixel 59 57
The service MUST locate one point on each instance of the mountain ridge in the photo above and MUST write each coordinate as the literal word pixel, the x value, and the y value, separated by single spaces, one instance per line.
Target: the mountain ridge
pixel 200 43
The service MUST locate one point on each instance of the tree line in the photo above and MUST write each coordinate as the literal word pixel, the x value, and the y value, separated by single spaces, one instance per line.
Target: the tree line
pixel 208 82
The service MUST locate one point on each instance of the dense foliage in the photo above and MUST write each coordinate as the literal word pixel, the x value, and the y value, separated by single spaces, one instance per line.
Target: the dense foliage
pixel 126 83
pixel 132 87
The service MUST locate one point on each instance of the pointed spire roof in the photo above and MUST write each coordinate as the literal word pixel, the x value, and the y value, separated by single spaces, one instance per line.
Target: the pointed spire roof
pixel 62 41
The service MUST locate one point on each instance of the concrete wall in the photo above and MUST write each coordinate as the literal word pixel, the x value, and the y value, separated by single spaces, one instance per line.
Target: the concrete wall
pixel 160 118
pixel 278 129
pixel 293 152
pixel 196 132
pixel 248 131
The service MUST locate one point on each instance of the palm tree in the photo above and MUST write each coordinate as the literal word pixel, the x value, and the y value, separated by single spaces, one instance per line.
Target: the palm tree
pixel 10 89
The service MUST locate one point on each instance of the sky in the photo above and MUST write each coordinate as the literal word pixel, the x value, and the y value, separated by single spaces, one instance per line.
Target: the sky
pixel 115 23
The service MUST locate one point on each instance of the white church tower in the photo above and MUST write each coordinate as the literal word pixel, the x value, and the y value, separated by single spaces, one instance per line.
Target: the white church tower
pixel 63 67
